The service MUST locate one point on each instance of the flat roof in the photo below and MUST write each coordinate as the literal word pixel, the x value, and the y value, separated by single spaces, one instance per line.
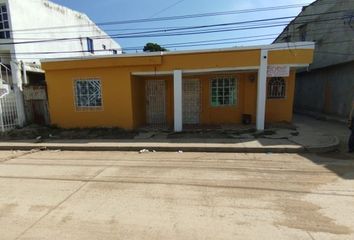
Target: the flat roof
pixel 271 47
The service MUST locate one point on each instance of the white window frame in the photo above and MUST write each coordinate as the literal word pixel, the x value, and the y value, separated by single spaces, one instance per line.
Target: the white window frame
pixel 232 99
pixel 89 95
pixel 272 95
pixel 5 20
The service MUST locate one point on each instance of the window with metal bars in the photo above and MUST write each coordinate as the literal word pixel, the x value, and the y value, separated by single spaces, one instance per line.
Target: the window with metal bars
pixel 88 94
pixel 4 23
pixel 276 87
pixel 223 91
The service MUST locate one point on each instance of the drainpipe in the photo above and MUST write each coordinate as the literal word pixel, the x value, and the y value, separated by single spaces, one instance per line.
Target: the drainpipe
pixel 24 72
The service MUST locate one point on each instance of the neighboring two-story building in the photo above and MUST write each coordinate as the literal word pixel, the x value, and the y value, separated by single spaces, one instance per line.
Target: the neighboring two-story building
pixel 327 86
pixel 33 30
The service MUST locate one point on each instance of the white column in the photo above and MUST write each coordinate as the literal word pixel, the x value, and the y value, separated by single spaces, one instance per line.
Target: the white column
pixel 177 95
pixel 261 90
pixel 2 129
pixel 17 84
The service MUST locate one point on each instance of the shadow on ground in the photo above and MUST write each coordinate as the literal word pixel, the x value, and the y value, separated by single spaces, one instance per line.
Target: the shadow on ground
pixel 342 164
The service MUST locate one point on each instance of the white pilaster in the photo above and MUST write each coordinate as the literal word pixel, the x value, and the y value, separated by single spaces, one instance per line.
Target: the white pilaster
pixel 17 85
pixel 261 90
pixel 177 95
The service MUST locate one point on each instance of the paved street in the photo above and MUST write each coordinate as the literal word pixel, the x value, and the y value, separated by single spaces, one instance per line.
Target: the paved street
pixel 126 195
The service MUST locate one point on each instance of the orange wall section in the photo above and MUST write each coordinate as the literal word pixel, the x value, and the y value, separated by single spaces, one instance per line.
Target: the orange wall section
pixel 209 115
pixel 117 99
pixel 278 110
pixel 124 94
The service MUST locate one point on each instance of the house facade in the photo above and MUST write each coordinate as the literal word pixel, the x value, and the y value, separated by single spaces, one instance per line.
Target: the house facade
pixel 33 30
pixel 175 89
pixel 327 86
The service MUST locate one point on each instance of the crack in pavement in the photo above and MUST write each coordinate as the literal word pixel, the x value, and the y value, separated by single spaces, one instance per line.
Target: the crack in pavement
pixel 20 155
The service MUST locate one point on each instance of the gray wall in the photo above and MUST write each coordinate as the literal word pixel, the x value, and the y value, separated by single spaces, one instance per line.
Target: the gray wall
pixel 330 25
pixel 328 90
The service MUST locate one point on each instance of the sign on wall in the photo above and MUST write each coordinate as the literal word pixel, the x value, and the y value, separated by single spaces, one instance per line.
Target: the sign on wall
pixel 278 71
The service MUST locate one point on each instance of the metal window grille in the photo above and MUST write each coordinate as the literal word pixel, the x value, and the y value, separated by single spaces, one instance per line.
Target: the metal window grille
pixel 223 91
pixel 8 112
pixel 276 87
pixel 88 94
pixel 4 23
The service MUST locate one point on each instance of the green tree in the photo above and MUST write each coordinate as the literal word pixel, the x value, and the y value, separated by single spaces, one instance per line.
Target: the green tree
pixel 153 47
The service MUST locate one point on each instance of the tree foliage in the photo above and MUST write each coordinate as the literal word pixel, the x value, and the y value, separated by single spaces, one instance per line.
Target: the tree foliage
pixel 153 47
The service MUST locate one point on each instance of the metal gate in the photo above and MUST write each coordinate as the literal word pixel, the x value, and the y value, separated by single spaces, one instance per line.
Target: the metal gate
pixel 156 102
pixel 191 101
pixel 36 104
pixel 8 112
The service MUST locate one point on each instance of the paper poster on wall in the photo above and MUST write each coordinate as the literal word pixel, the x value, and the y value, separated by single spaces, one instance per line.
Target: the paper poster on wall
pixel 278 71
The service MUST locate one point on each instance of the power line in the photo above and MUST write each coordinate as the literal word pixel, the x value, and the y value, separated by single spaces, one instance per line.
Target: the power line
pixel 270 48
pixel 167 8
pixel 179 32
pixel 179 17
pixel 162 28
pixel 191 44
pixel 200 43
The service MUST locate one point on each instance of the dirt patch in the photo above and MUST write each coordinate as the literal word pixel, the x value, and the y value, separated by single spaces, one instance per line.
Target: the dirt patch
pixel 40 132
pixel 307 216
pixel 214 134
pixel 39 208
pixel 7 209
pixel 204 135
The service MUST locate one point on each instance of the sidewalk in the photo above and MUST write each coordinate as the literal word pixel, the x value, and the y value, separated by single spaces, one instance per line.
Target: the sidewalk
pixel 311 136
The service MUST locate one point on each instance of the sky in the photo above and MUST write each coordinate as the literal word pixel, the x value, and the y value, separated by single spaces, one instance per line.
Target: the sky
pixel 119 10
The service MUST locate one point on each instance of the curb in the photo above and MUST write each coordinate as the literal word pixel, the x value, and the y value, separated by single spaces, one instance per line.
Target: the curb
pixel 325 149
pixel 300 149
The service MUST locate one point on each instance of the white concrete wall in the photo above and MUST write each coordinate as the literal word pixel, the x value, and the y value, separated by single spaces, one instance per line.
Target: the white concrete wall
pixel 32 14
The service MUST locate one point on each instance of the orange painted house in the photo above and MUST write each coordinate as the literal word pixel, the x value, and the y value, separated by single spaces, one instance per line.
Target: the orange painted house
pixel 172 89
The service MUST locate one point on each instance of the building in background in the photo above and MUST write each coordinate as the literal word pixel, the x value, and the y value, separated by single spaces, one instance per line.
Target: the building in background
pixel 328 84
pixel 34 30
pixel 176 89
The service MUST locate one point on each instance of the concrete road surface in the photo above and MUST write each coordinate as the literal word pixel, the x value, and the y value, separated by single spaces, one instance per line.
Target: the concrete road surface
pixel 121 195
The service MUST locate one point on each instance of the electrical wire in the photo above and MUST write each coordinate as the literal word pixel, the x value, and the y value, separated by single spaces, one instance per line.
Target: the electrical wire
pixel 179 32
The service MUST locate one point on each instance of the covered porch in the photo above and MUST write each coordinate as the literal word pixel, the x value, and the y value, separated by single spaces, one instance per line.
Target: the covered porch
pixel 209 98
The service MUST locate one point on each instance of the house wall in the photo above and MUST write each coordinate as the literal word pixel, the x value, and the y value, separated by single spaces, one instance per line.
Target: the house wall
pixel 329 90
pixel 328 23
pixel 117 99
pixel 48 15
pixel 327 85
pixel 278 110
pixel 123 93
pixel 138 101
pixel 223 114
